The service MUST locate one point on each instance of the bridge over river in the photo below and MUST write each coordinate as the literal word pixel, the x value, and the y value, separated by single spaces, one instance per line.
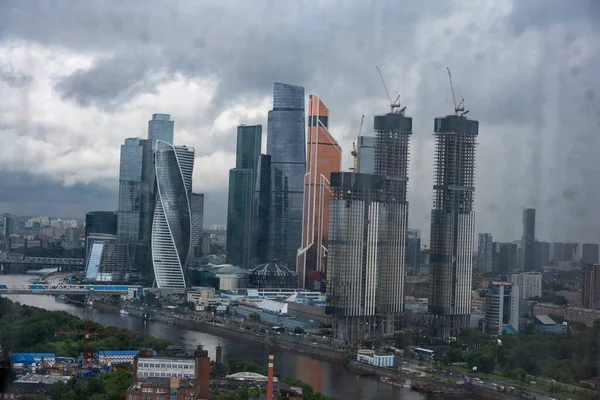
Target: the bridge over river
pixel 72 289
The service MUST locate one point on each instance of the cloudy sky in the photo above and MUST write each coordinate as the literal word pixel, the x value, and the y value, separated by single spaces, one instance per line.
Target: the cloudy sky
pixel 78 77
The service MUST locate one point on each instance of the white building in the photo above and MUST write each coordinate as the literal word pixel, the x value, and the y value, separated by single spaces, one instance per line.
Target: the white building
pixel 108 357
pixel 529 283
pixel 372 358
pixel 200 296
pixel 502 308
pixel 165 367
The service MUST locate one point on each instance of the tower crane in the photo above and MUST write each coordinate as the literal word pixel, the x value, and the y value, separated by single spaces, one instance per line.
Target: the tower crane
pixel 86 337
pixel 354 151
pixel 393 104
pixel 460 107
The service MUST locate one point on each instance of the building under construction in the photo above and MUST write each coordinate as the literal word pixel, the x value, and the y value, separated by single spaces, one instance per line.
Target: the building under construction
pixel 367 235
pixel 452 223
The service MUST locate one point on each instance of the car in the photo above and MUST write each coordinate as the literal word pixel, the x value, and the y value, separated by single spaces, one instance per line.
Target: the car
pixel 532 382
pixel 494 384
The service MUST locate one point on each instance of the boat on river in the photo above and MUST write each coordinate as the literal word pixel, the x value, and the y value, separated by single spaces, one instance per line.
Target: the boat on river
pixel 124 312
pixel 393 382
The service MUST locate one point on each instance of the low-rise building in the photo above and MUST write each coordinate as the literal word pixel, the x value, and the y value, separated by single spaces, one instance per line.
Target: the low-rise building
pixel 33 386
pixel 571 314
pixel 200 296
pixel 371 357
pixel 116 356
pixel 162 389
pixel 30 362
pixel 544 323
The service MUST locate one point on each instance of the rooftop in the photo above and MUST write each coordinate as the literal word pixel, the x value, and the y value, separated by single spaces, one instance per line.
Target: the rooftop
pixel 249 376
pixel 160 382
pixel 545 320
pixel 45 379
pixel 120 352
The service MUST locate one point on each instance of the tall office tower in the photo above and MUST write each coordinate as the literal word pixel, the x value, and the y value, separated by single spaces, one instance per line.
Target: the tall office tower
pixel 171 225
pixel 557 251
pixel 261 209
pixel 413 248
pixel 530 284
pixel 570 251
pixel 541 254
pixel 242 183
pixel 452 224
pixel 129 223
pixel 355 237
pixel 590 290
pixel 9 226
pixel 528 240
pixel 160 127
pixel 484 252
pixel 286 146
pixel 365 148
pixel 323 156
pixel 589 253
pixel 197 212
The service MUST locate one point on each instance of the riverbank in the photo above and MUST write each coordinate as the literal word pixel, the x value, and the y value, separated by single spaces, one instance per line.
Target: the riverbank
pixel 317 351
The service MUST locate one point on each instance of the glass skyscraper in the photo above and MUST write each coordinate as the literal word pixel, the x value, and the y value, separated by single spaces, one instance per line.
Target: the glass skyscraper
pixel 261 209
pixel 286 145
pixel 172 216
pixel 242 181
pixel 160 127
pixel 130 190
pixel 197 205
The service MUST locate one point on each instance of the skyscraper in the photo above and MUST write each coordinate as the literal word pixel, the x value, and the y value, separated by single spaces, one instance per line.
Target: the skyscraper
pixel 367 237
pixel 172 216
pixel 160 127
pixel 413 248
pixel 589 253
pixel 365 162
pixel 242 182
pixel 484 252
pixel 129 224
pixel 9 225
pixel 590 287
pixel 197 212
pixel 528 240
pixel 261 210
pixel 452 224
pixel 286 146
pixel 541 254
pixel 323 157
pixel 102 222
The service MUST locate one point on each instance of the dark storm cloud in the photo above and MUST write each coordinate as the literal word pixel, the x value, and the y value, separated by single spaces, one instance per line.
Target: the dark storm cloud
pixel 28 193
pixel 528 77
pixel 13 78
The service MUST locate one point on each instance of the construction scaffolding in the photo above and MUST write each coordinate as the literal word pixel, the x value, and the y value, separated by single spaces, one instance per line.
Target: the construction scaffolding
pixel 452 224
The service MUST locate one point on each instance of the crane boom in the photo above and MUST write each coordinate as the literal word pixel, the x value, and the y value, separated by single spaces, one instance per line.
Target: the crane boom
pixel 384 85
pixel 354 151
pixel 86 337
pixel 460 106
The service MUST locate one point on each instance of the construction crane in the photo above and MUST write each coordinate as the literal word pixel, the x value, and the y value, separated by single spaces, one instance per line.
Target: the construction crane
pixel 393 104
pixel 354 151
pixel 460 108
pixel 86 337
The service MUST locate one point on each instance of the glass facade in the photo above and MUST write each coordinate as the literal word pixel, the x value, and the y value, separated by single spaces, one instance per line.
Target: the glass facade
pixel 160 127
pixel 130 190
pixel 242 183
pixel 101 222
pixel 365 163
pixel 172 217
pixel 286 146
pixel 197 206
pixel 323 156
pixel 261 209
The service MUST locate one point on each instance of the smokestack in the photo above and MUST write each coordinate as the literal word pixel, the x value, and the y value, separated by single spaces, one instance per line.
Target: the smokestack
pixel 270 378
pixel 219 355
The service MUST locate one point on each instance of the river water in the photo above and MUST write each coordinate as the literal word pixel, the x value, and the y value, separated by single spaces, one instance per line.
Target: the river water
pixel 326 377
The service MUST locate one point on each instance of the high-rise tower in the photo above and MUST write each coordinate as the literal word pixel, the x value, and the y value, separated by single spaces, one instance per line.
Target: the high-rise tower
pixel 367 237
pixel 528 240
pixel 242 182
pixel 171 226
pixel 286 146
pixel 484 252
pixel 323 157
pixel 452 224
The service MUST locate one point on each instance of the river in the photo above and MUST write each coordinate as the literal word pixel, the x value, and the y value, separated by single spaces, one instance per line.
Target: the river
pixel 326 377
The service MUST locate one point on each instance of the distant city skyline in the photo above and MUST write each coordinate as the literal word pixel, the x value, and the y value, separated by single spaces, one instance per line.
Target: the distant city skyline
pixel 64 114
